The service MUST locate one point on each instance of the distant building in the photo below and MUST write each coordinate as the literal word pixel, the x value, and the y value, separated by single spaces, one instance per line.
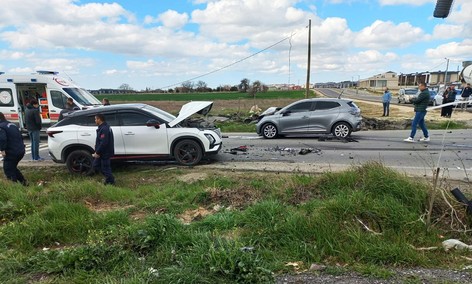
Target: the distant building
pixel 378 82
pixel 430 78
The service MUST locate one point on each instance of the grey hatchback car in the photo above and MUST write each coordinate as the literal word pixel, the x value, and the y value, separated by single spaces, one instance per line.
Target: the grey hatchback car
pixel 312 116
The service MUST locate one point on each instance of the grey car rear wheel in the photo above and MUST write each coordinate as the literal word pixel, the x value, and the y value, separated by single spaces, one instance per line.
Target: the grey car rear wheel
pixel 269 131
pixel 342 130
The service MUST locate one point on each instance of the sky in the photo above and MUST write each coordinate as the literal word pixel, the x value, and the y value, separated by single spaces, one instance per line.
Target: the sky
pixel 159 44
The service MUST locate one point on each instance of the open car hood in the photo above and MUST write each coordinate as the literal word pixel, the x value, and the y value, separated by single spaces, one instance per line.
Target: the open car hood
pixel 189 109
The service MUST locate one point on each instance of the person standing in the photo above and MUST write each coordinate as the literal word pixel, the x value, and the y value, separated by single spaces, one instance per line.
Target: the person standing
pixel 386 98
pixel 105 102
pixel 466 92
pixel 420 103
pixel 33 125
pixel 104 149
pixel 451 97
pixel 12 149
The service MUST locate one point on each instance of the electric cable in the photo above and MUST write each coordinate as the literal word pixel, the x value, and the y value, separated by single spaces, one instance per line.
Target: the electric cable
pixel 231 64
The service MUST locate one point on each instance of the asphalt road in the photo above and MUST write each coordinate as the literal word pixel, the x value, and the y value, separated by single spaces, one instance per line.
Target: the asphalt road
pixel 449 150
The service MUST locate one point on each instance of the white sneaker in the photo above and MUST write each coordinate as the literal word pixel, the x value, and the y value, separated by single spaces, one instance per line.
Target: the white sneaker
pixel 425 139
pixel 409 139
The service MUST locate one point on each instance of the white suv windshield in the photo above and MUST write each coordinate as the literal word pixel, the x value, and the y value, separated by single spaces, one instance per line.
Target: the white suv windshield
pixel 160 113
pixel 82 96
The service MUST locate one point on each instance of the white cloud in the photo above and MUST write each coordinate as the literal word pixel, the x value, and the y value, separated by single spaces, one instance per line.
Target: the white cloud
pixel 15 55
pixel 405 2
pixel 387 35
pixel 455 50
pixel 445 31
pixel 173 19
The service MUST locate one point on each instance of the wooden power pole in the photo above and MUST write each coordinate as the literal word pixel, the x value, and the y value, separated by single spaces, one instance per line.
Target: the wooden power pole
pixel 309 61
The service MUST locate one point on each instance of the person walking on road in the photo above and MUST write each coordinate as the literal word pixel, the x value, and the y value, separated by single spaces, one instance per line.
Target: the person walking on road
pixel 104 149
pixel 420 103
pixel 33 125
pixel 386 98
pixel 466 92
pixel 12 149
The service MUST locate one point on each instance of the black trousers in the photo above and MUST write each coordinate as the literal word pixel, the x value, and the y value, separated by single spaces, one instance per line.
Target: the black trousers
pixel 10 168
pixel 104 166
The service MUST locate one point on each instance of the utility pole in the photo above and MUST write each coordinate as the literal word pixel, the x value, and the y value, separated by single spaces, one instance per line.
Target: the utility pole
pixel 309 60
pixel 445 73
pixel 357 85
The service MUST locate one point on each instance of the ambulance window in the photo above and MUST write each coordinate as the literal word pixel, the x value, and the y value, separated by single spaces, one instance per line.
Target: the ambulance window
pixel 59 100
pixel 6 99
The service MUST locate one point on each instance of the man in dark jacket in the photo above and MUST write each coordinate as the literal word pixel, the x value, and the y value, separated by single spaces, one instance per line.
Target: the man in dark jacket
pixel 12 149
pixel 33 125
pixel 421 103
pixel 104 149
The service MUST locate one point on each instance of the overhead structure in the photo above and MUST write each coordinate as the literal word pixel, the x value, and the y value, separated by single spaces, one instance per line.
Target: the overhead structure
pixel 443 8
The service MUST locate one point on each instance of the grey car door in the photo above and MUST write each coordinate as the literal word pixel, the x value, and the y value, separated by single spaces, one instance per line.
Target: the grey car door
pixel 323 116
pixel 296 119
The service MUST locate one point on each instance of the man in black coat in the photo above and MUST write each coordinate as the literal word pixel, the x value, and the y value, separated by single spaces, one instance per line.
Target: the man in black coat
pixel 33 125
pixel 12 149
pixel 104 149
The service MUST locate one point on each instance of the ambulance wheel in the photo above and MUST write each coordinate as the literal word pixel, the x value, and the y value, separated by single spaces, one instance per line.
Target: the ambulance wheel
pixel 80 162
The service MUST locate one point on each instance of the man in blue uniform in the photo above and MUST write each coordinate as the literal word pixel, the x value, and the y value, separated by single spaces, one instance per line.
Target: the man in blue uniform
pixel 104 149
pixel 12 149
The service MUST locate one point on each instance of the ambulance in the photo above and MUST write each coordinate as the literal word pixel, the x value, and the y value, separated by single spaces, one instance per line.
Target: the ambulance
pixel 48 88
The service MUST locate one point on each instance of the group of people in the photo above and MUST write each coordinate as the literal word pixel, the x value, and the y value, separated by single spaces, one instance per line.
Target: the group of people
pixel 12 147
pixel 420 104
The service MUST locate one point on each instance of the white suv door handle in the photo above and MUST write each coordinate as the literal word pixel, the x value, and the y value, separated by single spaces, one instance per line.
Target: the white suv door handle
pixel 85 134
pixel 129 133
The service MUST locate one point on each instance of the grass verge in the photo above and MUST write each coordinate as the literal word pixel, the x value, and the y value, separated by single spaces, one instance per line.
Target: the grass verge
pixel 187 226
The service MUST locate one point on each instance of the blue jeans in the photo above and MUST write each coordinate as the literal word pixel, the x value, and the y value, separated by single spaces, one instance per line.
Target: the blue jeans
pixel 419 120
pixel 34 137
pixel 386 107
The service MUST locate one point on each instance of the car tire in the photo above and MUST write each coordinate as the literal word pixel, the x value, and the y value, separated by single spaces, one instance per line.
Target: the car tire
pixel 342 130
pixel 80 162
pixel 188 152
pixel 269 131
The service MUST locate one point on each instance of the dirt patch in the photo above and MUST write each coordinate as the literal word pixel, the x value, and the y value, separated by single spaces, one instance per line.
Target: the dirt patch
pixel 239 197
pixel 98 206
pixel 190 216
pixel 192 177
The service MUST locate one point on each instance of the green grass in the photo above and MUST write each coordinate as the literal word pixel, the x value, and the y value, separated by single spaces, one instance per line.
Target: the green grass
pixel 75 230
pixel 202 96
pixel 450 124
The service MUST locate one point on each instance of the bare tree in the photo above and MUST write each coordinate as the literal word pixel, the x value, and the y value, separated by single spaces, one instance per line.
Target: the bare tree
pixel 202 86
pixel 244 85
pixel 125 87
pixel 187 87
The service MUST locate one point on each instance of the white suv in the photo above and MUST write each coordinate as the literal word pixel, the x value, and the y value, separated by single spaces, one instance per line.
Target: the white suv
pixel 141 132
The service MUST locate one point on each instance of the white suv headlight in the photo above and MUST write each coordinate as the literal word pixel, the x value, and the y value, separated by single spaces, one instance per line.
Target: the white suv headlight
pixel 211 139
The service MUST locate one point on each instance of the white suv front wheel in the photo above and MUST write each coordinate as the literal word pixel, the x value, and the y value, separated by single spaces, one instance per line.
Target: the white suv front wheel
pixel 80 162
pixel 188 152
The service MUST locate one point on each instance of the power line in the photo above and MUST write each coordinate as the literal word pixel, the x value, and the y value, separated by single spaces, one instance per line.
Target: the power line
pixel 231 64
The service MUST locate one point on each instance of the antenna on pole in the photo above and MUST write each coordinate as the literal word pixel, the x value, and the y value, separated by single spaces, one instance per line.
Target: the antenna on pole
pixel 309 60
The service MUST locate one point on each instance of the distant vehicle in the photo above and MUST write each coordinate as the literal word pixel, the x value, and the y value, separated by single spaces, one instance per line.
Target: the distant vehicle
pixel 312 116
pixel 141 132
pixel 46 87
pixel 405 95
